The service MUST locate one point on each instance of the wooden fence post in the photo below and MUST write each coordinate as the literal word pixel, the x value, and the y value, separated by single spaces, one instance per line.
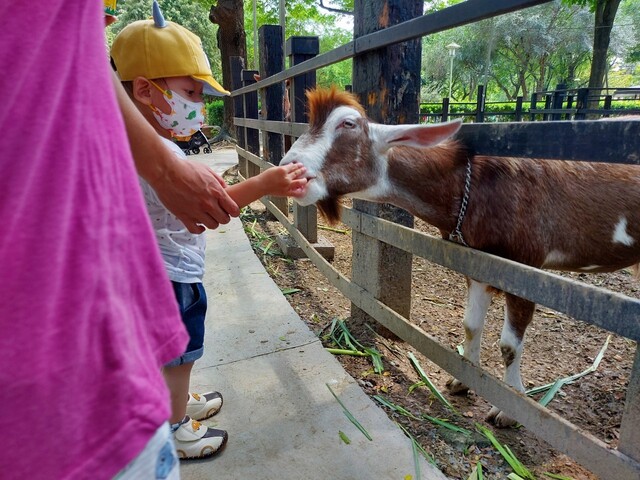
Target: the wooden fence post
pixel 445 109
pixel 547 106
pixel 629 432
pixel 557 100
pixel 299 49
pixel 607 106
pixel 569 106
pixel 480 105
pixel 252 138
pixel 518 113
pixel 272 62
pixel 387 82
pixel 237 64
pixel 533 105
pixel 582 104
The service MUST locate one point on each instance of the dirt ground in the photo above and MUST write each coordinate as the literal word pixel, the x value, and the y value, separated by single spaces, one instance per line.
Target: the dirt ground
pixel 556 346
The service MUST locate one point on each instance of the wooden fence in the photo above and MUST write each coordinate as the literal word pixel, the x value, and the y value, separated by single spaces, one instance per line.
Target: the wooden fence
pixel 607 141
pixel 559 104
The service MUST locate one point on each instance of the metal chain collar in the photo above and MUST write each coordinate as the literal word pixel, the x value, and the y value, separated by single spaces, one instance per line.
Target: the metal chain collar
pixel 456 235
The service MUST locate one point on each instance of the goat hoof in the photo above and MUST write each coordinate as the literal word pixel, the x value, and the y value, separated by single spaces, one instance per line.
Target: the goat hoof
pixel 500 419
pixel 456 387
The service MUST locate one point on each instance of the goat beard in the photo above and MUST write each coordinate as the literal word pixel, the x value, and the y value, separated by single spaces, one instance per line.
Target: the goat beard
pixel 331 209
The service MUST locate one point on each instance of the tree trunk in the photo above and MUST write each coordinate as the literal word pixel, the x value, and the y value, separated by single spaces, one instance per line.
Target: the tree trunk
pixel 232 41
pixel 605 14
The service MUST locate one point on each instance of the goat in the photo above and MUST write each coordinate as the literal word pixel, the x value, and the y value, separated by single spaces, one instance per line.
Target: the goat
pixel 574 216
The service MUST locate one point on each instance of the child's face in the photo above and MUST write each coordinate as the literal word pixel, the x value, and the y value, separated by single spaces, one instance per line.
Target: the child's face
pixel 186 87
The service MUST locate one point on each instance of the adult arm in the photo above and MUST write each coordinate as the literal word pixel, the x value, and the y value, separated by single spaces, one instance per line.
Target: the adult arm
pixel 191 191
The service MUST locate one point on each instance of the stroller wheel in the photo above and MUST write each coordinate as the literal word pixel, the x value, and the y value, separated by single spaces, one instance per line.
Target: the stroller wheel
pixel 206 150
pixel 195 151
pixel 187 151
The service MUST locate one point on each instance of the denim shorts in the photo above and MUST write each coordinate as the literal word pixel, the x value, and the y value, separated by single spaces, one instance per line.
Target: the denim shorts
pixel 157 461
pixel 192 300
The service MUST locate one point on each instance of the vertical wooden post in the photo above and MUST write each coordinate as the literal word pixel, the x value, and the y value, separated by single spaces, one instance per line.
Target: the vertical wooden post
pixel 445 109
pixel 252 139
pixel 607 106
pixel 629 431
pixel 387 82
pixel 518 113
pixel 581 104
pixel 480 105
pixel 547 106
pixel 272 62
pixel 533 106
pixel 569 107
pixel 557 100
pixel 237 64
pixel 299 49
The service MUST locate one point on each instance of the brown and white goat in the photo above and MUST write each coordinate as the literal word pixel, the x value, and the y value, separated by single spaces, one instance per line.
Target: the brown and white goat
pixel 574 216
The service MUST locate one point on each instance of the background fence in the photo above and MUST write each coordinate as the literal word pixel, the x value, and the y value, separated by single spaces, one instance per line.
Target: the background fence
pixel 552 105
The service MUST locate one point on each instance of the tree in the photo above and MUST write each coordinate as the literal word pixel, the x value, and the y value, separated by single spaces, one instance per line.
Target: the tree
pixel 232 41
pixel 605 14
pixel 304 17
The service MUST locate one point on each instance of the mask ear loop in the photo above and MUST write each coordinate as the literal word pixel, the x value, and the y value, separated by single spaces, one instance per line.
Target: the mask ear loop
pixel 166 92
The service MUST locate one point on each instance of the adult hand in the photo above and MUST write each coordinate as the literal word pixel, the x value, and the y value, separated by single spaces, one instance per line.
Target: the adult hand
pixel 196 195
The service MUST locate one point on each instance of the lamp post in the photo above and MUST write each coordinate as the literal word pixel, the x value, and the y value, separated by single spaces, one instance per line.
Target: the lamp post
pixel 452 47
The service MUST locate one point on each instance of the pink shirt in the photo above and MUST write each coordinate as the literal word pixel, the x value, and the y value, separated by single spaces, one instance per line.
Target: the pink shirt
pixel 87 314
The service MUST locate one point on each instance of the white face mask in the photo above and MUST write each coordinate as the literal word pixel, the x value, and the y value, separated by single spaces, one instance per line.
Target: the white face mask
pixel 186 117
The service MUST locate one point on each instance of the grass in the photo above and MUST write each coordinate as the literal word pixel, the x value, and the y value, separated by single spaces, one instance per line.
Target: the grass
pixel 349 415
pixel 346 344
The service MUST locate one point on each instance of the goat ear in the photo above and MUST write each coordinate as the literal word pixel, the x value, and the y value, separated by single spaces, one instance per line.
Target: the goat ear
pixel 418 135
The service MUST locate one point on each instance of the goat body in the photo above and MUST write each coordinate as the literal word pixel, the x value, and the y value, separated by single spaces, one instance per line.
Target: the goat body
pixel 575 216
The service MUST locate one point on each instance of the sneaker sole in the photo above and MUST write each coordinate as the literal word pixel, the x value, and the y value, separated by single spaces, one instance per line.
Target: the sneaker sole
pixel 206 452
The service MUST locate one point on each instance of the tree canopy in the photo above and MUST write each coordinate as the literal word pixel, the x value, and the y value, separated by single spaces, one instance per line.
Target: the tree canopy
pixel 515 54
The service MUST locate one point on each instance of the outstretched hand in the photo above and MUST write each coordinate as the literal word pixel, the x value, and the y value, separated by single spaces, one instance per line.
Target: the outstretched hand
pixel 196 195
pixel 286 181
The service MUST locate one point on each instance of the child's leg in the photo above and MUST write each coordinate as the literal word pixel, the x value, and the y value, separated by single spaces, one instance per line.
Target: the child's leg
pixel 177 379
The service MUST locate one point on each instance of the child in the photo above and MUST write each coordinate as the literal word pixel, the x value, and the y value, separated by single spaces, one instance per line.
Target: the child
pixel 165 71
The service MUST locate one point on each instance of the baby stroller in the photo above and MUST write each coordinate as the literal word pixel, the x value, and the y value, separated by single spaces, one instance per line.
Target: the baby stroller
pixel 192 146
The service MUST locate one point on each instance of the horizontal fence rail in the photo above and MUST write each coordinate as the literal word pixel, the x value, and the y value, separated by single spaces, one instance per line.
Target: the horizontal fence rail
pixel 612 311
pixel 549 140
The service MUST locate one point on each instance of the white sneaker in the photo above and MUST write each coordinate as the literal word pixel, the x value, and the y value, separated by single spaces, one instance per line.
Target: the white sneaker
pixel 194 440
pixel 203 405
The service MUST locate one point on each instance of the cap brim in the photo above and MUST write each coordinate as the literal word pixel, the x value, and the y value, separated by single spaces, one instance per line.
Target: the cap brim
pixel 211 86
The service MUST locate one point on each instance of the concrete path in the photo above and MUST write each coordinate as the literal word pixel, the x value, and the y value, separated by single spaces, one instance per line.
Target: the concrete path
pixel 282 420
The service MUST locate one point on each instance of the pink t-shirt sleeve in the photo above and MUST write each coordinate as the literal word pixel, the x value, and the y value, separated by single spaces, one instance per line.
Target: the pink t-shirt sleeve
pixel 87 314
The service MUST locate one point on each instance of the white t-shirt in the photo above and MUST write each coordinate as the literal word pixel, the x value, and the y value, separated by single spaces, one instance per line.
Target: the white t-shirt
pixel 182 251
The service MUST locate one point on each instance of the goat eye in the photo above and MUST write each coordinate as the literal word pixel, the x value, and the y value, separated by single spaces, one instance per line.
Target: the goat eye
pixel 348 124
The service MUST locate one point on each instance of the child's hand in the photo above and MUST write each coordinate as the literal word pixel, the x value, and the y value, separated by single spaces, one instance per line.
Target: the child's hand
pixel 286 181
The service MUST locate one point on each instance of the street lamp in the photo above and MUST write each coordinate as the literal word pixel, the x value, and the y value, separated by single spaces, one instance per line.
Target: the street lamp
pixel 452 47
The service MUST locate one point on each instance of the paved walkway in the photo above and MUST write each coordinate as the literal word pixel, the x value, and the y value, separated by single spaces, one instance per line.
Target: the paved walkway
pixel 282 420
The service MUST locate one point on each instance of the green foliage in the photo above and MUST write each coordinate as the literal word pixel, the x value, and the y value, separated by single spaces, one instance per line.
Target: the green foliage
pixel 306 18
pixel 215 112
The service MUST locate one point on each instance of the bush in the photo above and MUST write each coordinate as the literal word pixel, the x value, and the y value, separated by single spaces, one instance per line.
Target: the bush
pixel 215 112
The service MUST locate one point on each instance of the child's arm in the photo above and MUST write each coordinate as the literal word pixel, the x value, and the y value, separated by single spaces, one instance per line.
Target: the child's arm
pixel 194 193
pixel 286 181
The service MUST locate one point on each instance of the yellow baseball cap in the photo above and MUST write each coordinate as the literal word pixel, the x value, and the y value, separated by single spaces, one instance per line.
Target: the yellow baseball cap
pixel 162 49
